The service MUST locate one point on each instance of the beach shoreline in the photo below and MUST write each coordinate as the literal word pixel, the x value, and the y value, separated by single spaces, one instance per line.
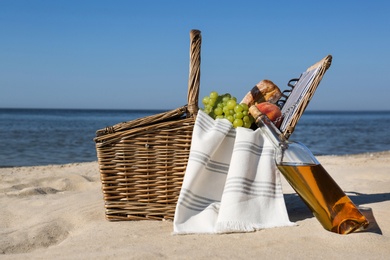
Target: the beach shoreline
pixel 57 211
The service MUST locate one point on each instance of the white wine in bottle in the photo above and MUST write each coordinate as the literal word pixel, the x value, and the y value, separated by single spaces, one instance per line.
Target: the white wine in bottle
pixel 328 202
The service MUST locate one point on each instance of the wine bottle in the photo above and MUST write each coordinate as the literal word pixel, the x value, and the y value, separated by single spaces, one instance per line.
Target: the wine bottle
pixel 328 202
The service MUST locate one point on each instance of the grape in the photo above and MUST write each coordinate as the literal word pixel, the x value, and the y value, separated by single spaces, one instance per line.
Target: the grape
pixel 218 111
pixel 205 100
pixel 231 104
pixel 230 118
pixel 247 124
pixel 238 108
pixel 214 95
pixel 225 110
pixel 237 122
pixel 226 106
pixel 225 98
pixel 239 115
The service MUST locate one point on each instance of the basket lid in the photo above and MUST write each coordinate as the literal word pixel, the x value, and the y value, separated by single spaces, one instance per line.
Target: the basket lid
pixel 301 94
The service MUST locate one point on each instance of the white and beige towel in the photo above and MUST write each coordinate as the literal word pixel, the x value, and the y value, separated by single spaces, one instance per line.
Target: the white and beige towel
pixel 231 183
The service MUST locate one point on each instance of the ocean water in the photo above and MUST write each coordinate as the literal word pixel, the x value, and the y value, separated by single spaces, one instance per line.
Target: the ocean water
pixel 31 137
pixel 340 133
pixel 54 136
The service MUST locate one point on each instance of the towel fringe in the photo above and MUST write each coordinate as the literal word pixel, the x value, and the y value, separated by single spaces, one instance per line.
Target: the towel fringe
pixel 238 226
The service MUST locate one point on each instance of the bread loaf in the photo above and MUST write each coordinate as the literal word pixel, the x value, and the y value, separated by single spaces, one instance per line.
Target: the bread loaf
pixel 264 91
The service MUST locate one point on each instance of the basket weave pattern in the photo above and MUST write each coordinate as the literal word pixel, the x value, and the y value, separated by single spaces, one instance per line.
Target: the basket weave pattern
pixel 323 65
pixel 142 162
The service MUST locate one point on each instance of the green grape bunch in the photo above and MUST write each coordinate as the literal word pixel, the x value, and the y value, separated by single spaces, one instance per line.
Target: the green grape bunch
pixel 226 106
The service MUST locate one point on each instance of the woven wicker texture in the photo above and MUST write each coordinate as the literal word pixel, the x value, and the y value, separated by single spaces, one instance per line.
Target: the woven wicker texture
pixel 297 102
pixel 142 162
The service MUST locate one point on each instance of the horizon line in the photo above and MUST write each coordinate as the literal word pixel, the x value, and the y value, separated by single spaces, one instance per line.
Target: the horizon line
pixel 169 109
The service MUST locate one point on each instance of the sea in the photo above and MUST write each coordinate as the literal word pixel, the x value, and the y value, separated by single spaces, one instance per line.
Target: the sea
pixel 32 137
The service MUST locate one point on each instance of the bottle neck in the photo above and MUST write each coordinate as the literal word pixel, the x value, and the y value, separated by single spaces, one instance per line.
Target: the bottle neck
pixel 268 128
pixel 272 132
pixel 287 153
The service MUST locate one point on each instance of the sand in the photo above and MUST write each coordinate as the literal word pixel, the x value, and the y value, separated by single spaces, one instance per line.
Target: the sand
pixel 57 212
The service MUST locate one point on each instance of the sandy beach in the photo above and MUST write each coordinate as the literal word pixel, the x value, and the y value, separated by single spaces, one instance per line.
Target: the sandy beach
pixel 57 212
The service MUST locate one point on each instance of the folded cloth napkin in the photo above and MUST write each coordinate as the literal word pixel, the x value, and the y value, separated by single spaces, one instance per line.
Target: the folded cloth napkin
pixel 231 183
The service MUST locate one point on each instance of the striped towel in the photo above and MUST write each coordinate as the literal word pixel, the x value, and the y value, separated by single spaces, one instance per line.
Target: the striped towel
pixel 231 183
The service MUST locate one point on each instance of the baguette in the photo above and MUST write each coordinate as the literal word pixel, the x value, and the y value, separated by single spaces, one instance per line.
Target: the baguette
pixel 264 91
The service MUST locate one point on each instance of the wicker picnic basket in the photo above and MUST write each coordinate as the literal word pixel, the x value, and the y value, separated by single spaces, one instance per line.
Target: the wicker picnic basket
pixel 142 162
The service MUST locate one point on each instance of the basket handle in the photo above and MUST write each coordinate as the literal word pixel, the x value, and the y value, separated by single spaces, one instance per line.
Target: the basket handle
pixel 194 73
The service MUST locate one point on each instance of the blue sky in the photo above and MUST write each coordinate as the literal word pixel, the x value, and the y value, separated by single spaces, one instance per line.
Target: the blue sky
pixel 135 54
